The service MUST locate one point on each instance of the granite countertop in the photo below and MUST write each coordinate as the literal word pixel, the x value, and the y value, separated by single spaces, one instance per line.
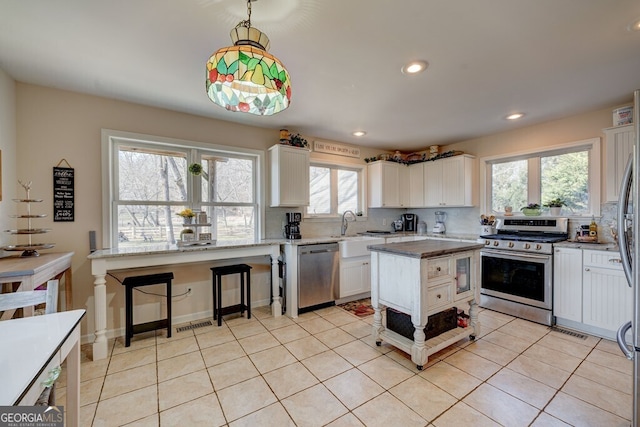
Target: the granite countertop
pixel 603 246
pixel 167 248
pixel 425 248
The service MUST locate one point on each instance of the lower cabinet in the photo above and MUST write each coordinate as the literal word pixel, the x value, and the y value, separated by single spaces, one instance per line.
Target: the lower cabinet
pixel 590 291
pixel 606 296
pixel 355 276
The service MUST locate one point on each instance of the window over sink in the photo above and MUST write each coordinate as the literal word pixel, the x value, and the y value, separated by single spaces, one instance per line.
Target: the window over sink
pixel 334 188
pixel 569 172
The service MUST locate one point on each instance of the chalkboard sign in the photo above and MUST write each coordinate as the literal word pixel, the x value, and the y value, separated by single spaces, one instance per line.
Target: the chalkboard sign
pixel 63 196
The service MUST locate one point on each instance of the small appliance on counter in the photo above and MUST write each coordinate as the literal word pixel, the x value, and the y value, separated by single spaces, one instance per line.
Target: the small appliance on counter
pixel 292 227
pixel 441 217
pixel 398 225
pixel 409 222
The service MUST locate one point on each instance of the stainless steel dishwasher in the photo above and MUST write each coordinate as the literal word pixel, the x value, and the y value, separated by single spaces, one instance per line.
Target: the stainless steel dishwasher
pixel 318 275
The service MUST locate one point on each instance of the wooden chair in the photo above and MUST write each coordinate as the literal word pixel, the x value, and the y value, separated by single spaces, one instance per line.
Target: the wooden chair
pixel 22 299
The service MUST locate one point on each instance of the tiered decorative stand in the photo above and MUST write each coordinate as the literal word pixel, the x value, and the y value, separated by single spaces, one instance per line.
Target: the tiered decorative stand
pixel 30 248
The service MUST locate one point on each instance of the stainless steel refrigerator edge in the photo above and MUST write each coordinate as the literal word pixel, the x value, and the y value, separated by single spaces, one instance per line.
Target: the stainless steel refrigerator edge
pixel 318 275
pixel 628 233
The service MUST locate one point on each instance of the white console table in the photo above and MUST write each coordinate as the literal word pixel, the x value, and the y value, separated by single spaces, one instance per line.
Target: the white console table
pixel 31 348
pixel 116 259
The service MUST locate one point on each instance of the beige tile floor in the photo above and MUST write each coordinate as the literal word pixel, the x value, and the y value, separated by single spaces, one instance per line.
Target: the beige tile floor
pixel 324 369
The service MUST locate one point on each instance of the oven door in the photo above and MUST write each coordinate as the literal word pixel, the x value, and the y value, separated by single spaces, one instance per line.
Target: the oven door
pixel 519 277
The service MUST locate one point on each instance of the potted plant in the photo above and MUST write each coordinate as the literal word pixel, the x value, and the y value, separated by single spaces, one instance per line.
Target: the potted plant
pixel 532 209
pixel 555 206
pixel 195 168
pixel 298 141
pixel 187 215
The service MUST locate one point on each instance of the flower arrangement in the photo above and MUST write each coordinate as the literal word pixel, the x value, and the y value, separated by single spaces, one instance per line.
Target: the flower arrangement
pixel 298 141
pixel 186 213
pixel 195 168
pixel 555 203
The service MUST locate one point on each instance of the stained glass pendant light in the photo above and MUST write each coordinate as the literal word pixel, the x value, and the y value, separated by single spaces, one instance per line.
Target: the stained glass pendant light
pixel 245 77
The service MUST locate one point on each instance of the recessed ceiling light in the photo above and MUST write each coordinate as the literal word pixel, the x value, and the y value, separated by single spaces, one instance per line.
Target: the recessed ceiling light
pixel 359 133
pixel 634 26
pixel 514 116
pixel 415 67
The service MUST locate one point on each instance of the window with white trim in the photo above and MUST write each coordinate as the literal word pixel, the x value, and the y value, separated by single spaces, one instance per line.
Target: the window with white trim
pixel 570 172
pixel 334 189
pixel 149 183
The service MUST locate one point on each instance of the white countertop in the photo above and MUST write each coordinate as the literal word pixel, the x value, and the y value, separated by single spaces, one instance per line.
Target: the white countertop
pixel 612 247
pixel 28 344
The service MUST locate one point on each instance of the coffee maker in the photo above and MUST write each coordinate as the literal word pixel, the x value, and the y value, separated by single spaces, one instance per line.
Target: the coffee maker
pixel 410 222
pixel 292 227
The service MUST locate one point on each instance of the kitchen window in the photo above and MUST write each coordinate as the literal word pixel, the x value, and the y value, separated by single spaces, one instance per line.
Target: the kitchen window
pixel 570 172
pixel 149 182
pixel 334 189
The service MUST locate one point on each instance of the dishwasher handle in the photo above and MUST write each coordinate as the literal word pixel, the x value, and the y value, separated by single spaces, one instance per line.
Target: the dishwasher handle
pixel 322 251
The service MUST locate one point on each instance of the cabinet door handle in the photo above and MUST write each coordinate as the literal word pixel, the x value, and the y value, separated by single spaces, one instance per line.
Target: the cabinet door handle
pixel 615 260
pixel 587 269
pixel 438 269
pixel 438 296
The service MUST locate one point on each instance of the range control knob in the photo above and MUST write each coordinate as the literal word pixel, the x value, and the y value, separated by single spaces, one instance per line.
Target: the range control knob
pixel 487 242
pixel 527 246
pixel 510 244
pixel 496 243
pixel 538 247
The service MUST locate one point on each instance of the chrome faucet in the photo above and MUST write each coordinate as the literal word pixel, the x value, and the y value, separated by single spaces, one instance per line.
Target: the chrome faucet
pixel 345 224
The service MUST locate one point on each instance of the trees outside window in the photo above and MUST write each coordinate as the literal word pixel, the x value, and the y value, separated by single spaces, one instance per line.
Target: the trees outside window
pixel 571 174
pixel 150 182
pixel 334 189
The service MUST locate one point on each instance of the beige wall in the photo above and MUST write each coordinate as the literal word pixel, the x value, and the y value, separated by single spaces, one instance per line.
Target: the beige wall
pixel 8 142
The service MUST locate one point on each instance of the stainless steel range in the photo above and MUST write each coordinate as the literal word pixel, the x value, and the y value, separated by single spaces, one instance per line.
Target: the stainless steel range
pixel 517 266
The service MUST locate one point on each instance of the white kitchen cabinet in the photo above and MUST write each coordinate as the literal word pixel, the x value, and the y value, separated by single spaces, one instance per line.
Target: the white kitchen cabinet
pixel 449 182
pixel 355 276
pixel 618 146
pixel 387 184
pixel 415 181
pixel 607 297
pixel 567 283
pixel 289 176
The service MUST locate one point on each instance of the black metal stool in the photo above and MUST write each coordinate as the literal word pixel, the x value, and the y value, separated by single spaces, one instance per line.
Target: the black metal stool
pixel 218 272
pixel 137 281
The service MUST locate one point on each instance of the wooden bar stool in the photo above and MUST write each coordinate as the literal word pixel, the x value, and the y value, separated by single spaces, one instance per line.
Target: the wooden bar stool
pixel 218 272
pixel 137 281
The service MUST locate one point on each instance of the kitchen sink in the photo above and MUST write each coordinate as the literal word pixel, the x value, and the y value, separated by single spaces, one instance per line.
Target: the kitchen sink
pixel 357 246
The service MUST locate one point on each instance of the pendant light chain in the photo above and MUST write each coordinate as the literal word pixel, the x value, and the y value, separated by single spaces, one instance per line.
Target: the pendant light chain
pixel 246 23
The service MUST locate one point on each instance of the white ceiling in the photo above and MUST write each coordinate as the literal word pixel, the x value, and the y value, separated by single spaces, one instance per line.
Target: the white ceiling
pixel 546 58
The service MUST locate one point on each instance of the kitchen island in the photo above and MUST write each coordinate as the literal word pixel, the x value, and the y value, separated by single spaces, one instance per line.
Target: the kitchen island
pixel 421 279
pixel 105 260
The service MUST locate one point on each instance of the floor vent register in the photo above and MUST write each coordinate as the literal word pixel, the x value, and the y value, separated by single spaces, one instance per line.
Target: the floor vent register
pixel 567 332
pixel 194 326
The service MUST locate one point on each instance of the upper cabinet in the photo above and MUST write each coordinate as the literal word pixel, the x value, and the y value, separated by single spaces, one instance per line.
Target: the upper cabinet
pixel 386 181
pixel 619 144
pixel 289 176
pixel 449 182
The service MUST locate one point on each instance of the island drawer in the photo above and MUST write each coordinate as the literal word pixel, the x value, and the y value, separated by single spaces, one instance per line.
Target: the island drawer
pixel 437 267
pixel 439 295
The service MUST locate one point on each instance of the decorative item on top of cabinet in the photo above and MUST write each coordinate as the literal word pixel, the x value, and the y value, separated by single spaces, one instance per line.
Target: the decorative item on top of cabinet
pixel 618 147
pixel 30 248
pixel 289 176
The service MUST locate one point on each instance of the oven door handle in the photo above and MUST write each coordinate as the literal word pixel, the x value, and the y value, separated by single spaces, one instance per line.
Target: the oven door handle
pixel 522 255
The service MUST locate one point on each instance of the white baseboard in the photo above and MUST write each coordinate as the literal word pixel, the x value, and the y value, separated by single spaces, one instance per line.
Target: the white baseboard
pixel 175 320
